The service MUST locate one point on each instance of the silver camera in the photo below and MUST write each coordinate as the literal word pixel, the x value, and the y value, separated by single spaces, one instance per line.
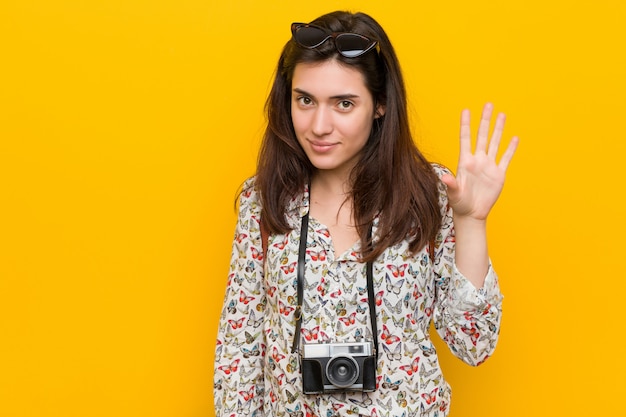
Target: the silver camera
pixel 331 367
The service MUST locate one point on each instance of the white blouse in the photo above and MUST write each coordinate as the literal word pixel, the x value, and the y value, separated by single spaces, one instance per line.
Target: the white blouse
pixel 257 375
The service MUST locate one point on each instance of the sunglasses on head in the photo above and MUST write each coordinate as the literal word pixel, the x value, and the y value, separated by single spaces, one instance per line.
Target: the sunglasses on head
pixel 350 45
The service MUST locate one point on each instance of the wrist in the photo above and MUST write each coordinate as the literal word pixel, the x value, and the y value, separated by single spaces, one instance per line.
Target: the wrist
pixel 468 222
pixel 471 256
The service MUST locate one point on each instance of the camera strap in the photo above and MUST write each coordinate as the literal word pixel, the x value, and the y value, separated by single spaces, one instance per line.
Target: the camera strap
pixel 304 228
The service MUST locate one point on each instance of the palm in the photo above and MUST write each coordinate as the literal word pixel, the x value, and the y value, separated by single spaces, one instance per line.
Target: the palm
pixel 480 178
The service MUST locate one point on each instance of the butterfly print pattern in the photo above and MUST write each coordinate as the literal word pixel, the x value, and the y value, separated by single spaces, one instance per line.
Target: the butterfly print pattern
pixel 257 375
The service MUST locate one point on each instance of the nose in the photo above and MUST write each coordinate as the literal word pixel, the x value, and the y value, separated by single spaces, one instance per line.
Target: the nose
pixel 322 123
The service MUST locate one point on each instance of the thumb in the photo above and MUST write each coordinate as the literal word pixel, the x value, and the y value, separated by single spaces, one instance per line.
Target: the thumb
pixel 450 181
pixel 452 186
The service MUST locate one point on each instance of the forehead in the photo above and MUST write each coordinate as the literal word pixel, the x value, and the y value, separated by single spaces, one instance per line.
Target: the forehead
pixel 328 78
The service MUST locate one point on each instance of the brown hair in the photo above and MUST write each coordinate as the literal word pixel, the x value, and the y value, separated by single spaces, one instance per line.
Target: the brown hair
pixel 392 179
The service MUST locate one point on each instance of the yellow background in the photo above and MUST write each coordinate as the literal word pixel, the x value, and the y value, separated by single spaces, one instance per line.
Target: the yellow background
pixel 126 127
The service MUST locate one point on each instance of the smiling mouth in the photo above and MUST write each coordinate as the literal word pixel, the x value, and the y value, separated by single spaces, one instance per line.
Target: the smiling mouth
pixel 322 146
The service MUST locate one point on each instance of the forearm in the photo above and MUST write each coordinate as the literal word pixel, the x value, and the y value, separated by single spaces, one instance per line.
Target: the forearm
pixel 471 255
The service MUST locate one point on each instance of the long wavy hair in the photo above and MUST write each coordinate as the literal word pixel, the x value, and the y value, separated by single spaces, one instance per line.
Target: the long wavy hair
pixel 392 179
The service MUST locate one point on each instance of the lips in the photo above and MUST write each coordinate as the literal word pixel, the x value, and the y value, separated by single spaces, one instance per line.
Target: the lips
pixel 322 147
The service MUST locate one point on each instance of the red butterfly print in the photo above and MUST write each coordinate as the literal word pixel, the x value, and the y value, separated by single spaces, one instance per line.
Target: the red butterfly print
pixel 323 232
pixel 486 310
pixel 443 407
pixel 430 398
pixel 243 298
pixel 337 406
pixel 317 255
pixel 481 361
pixel 227 369
pixel 378 379
pixel 309 411
pixel 311 334
pixel 324 337
pixel 387 337
pixel 247 395
pixel 284 309
pixel 417 294
pixel 281 245
pixel 336 294
pixel 351 319
pixel 240 237
pixel 276 355
pixel 236 324
pixel 397 271
pixel 379 298
pixel 472 332
pixel 287 269
pixel 256 254
pixel 323 286
pixel 272 290
pixel 412 368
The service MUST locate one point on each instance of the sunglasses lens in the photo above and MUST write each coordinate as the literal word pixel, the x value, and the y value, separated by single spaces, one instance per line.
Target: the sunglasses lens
pixel 310 36
pixel 352 45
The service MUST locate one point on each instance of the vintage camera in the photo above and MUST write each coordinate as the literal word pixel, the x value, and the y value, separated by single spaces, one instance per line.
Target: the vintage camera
pixel 332 367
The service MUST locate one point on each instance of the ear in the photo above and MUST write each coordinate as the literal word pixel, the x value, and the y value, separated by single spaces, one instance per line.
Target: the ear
pixel 380 111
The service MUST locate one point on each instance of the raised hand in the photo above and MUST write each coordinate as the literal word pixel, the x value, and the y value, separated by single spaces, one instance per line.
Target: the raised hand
pixel 479 177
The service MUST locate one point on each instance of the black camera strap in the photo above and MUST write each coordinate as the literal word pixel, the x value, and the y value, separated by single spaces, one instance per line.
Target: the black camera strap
pixel 300 288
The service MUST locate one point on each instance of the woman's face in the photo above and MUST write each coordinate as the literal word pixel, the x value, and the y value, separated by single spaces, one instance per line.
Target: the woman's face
pixel 332 113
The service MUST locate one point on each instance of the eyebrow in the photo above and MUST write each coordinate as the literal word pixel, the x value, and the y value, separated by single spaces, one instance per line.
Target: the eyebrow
pixel 337 97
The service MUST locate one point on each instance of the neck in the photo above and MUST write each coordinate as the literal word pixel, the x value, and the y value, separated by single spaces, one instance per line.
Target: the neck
pixel 329 185
pixel 331 204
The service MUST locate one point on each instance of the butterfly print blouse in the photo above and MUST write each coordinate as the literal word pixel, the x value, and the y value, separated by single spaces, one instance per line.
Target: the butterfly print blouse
pixel 257 375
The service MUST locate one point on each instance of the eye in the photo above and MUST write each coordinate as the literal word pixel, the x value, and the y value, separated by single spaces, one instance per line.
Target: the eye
pixel 345 104
pixel 304 100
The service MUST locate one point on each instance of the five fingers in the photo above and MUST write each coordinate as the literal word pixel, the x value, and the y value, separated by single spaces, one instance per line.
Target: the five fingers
pixel 483 136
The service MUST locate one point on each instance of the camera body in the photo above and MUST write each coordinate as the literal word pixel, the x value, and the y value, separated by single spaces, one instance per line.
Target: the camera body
pixel 332 367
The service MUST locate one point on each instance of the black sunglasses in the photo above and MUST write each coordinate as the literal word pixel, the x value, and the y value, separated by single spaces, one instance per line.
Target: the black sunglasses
pixel 350 45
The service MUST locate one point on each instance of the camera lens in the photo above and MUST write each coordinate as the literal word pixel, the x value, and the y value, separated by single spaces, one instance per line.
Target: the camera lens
pixel 342 371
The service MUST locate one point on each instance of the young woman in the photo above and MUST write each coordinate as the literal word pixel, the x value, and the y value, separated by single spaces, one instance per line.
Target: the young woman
pixel 349 243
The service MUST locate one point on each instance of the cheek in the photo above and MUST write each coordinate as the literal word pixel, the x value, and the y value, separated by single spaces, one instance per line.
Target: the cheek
pixel 299 121
pixel 357 129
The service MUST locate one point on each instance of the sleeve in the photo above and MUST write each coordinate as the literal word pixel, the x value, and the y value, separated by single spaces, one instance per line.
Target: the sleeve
pixel 240 347
pixel 467 318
